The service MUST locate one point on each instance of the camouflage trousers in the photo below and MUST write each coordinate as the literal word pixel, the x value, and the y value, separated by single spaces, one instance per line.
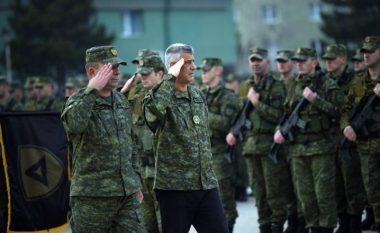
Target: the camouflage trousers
pixel 227 196
pixel 315 184
pixel 150 207
pixel 350 194
pixel 240 168
pixel 269 183
pixel 364 157
pixel 106 214
pixel 371 149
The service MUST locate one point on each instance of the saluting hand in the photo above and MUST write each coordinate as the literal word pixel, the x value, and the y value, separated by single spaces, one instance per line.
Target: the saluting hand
pixel 128 84
pixel 99 81
pixel 309 94
pixel 176 68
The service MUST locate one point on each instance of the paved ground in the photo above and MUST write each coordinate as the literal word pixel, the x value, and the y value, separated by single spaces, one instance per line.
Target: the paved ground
pixel 247 220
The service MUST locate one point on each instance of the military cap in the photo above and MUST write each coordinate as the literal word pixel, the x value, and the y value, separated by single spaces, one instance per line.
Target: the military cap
pixel 30 82
pixel 209 62
pixel 71 82
pixel 335 50
pixel 358 56
pixel 149 64
pixel 370 44
pixel 231 78
pixel 284 55
pixel 105 54
pixel 3 80
pixel 42 81
pixel 258 53
pixel 302 54
pixel 144 53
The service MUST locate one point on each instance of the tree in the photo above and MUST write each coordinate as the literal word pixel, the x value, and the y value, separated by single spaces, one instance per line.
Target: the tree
pixel 351 20
pixel 50 36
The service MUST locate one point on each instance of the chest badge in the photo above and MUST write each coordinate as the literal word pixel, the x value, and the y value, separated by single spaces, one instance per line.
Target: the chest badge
pixel 196 119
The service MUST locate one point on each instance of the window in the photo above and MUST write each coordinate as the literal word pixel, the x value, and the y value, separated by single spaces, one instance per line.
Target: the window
pixel 318 45
pixel 132 23
pixel 315 12
pixel 270 14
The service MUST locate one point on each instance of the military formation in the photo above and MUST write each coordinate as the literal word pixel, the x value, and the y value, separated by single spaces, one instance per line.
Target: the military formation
pixel 160 150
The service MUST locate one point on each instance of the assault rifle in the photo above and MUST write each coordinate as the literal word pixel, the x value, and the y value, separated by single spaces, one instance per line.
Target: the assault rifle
pixel 240 125
pixel 359 118
pixel 289 123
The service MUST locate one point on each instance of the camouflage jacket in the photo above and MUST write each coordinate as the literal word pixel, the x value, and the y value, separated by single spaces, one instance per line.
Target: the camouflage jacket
pixel 319 116
pixel 223 105
pixel 265 116
pixel 11 105
pixel 49 103
pixel 100 135
pixel 144 160
pixel 182 141
pixel 357 94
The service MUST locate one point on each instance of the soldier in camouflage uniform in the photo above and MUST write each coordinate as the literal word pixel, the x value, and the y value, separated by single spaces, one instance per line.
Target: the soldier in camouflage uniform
pixel 151 70
pixel 368 147
pixel 241 178
pixel 7 103
pixel 267 95
pixel 285 67
pixel 185 183
pixel 223 104
pixel 105 190
pixel 311 151
pixel 47 100
pixel 361 74
pixel 350 194
pixel 33 93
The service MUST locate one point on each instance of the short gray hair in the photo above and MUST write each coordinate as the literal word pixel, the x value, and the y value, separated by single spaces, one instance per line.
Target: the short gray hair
pixel 174 51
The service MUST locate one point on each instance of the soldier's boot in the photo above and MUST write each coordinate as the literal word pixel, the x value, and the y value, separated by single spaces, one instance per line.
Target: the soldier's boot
pixel 277 228
pixel 326 230
pixel 369 220
pixel 355 223
pixel 301 225
pixel 265 228
pixel 344 223
pixel 292 224
pixel 230 227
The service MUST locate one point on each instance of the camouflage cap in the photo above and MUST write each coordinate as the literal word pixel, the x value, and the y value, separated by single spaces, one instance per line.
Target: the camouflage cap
pixel 284 55
pixel 30 81
pixel 358 56
pixel 231 78
pixel 302 54
pixel 370 44
pixel 258 53
pixel 42 81
pixel 144 53
pixel 105 54
pixel 209 62
pixel 149 64
pixel 71 82
pixel 335 50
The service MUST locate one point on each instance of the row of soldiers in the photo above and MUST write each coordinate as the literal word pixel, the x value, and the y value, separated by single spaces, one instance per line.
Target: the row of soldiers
pixel 311 186
pixel 313 183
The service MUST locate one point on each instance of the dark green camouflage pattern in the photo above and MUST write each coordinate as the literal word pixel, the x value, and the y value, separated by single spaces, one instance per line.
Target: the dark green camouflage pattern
pixel 118 215
pixel 182 140
pixel 223 105
pixel 102 146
